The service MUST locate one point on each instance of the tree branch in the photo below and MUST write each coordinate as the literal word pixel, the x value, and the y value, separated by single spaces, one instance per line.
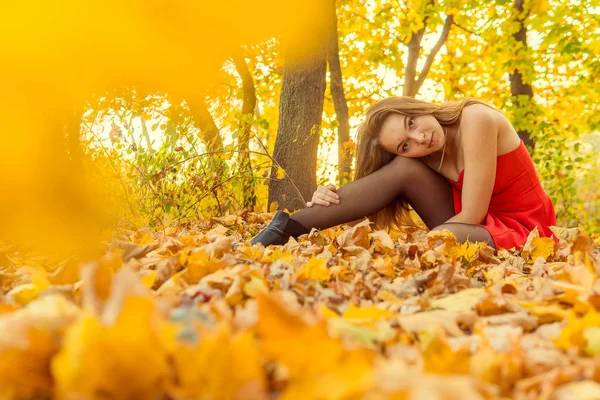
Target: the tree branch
pixel 438 45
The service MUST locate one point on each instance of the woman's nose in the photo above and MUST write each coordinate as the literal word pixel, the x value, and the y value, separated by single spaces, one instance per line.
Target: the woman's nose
pixel 419 137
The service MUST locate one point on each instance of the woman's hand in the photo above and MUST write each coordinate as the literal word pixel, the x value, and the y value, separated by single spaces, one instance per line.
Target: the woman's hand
pixel 324 195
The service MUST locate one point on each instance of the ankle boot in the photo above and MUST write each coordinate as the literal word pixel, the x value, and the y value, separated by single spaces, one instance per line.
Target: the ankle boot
pixel 279 230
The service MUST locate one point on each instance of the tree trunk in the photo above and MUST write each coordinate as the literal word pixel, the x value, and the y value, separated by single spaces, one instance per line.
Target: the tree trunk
pixel 300 115
pixel 414 48
pixel 248 106
pixel 518 88
pixel 339 101
pixel 210 131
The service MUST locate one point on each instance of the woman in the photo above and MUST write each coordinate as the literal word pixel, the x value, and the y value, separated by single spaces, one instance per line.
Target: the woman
pixel 461 166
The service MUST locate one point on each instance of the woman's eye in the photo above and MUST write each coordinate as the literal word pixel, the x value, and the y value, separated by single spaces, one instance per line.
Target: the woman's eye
pixel 405 146
pixel 411 122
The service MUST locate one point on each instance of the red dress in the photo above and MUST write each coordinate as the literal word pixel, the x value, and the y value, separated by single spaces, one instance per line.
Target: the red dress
pixel 518 202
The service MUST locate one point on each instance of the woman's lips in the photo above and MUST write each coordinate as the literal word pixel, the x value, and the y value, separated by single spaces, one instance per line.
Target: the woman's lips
pixel 431 141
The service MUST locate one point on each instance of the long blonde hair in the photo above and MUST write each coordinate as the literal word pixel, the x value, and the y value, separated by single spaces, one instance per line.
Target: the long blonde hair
pixel 370 156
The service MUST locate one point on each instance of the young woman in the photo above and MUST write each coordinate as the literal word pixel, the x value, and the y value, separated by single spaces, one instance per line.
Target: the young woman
pixel 461 166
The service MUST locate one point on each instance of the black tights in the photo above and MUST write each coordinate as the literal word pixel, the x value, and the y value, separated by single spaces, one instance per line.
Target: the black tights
pixel 428 192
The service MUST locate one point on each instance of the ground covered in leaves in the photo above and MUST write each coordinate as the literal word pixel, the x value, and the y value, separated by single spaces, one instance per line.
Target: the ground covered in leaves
pixel 195 312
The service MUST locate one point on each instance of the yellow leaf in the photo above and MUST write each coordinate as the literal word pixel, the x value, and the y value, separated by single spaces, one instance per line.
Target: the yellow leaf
pixel 284 337
pixel 255 287
pixel 278 254
pixel 461 301
pixel 220 366
pixel 145 239
pixel 382 241
pixel 314 269
pixel 349 145
pixel 384 266
pixel 274 206
pixel 536 246
pixel 67 273
pixel 539 6
pixel 497 367
pixel 338 373
pixel 149 278
pixel 572 334
pixel 199 264
pixel 389 297
pixel 545 313
pixel 440 358
pixel 280 174
pixel 326 312
pixel 30 338
pixel 358 235
pixel 542 247
pixel 123 361
pixel 367 314
pixel 26 292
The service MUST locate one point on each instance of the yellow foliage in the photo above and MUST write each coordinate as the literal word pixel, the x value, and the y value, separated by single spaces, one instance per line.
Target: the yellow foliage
pixel 367 314
pixel 126 360
pixel 220 366
pixel 573 334
pixel 337 374
pixel 314 269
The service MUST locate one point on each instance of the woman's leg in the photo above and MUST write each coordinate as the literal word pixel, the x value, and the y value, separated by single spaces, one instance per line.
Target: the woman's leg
pixel 428 192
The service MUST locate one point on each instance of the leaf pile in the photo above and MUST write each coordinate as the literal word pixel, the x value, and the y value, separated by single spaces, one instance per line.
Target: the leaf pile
pixel 195 312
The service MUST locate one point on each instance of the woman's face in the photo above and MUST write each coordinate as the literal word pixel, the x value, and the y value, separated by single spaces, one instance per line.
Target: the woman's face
pixel 411 136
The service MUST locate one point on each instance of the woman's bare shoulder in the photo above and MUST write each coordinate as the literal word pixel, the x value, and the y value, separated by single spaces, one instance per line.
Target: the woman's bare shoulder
pixel 480 110
pixel 507 137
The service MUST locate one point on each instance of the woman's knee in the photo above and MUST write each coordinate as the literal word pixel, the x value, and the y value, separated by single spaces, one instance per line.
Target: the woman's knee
pixel 412 167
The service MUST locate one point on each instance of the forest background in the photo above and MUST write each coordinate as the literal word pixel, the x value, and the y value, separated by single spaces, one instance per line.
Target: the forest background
pixel 257 118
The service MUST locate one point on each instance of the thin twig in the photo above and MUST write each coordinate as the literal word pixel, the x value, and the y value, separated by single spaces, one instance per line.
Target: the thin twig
pixel 279 166
pixel 217 186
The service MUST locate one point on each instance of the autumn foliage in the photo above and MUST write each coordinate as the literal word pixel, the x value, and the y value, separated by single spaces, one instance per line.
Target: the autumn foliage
pixel 195 312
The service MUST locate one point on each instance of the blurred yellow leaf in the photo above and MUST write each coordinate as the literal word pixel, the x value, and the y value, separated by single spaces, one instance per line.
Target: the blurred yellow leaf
pixel 26 292
pixel 199 264
pixel 367 313
pixel 314 269
pixel 28 342
pixel 124 361
pixel 462 301
pixel 440 358
pixel 572 334
pixel 338 374
pixel 220 366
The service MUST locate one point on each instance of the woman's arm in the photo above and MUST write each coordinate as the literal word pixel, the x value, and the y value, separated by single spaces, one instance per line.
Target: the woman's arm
pixel 479 141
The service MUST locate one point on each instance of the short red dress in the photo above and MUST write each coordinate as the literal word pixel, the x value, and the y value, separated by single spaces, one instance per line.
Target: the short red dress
pixel 518 202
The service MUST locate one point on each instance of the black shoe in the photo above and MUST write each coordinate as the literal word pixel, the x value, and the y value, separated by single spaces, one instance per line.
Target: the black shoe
pixel 279 230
